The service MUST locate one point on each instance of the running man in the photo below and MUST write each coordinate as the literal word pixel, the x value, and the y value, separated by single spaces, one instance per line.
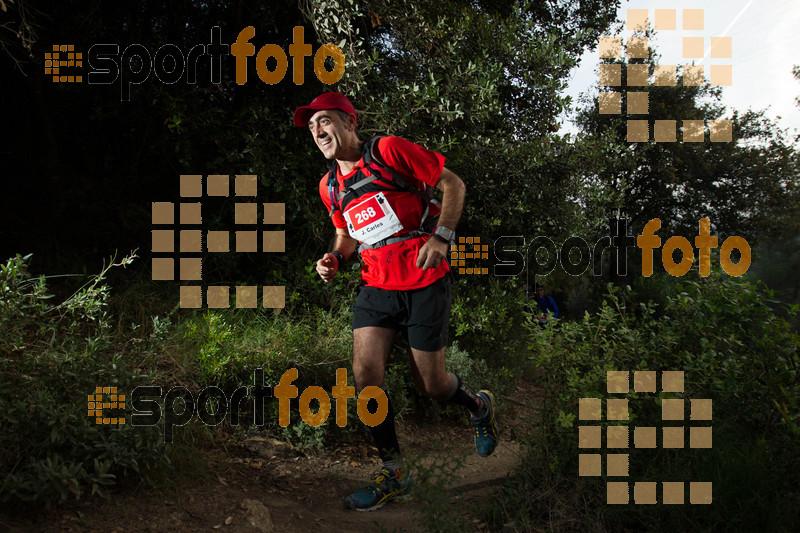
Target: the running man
pixel 377 195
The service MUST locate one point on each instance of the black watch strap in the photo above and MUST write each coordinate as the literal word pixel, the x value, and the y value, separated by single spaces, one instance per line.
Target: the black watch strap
pixel 340 258
pixel 441 238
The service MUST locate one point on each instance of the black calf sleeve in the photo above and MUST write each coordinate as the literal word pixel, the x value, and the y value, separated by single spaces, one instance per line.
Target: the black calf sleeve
pixel 384 434
pixel 461 394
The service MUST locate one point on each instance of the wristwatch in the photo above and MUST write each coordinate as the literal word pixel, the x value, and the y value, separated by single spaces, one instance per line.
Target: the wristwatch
pixel 339 258
pixel 444 234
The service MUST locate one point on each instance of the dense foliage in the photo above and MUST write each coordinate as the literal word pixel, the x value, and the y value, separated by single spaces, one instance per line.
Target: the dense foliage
pixel 53 356
pixel 733 349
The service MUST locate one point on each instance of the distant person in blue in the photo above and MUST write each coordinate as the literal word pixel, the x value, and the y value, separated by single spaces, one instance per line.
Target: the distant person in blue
pixel 546 304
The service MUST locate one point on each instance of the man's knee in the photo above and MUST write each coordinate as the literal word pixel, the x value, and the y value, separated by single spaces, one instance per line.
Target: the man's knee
pixel 436 390
pixel 371 347
pixel 368 373
pixel 435 384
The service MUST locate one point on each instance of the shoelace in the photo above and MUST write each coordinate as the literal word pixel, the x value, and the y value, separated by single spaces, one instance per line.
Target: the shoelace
pixel 482 428
pixel 379 480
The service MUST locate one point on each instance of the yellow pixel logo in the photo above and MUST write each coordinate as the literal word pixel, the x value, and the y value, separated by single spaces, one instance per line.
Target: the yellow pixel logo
pixel 618 437
pixel 96 405
pixel 460 253
pixel 190 241
pixel 637 75
pixel 63 55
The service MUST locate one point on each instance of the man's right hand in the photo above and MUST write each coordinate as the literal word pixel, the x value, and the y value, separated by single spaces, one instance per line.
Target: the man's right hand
pixel 327 267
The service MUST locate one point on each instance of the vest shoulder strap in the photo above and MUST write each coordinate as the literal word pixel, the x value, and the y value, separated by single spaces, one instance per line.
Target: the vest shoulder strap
pixel 370 160
pixel 367 153
pixel 372 157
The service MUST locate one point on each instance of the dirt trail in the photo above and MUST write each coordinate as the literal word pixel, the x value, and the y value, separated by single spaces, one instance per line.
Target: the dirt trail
pixel 277 489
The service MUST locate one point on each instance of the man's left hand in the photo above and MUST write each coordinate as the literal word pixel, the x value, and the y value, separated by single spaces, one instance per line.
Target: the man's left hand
pixel 431 253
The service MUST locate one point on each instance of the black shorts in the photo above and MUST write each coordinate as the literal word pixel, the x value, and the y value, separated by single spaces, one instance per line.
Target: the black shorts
pixel 422 315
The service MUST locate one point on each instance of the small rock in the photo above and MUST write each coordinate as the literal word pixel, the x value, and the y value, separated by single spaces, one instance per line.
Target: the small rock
pixel 258 515
pixel 228 520
pixel 268 448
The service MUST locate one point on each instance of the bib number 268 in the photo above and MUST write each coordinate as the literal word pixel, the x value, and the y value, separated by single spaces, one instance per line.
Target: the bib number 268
pixel 364 215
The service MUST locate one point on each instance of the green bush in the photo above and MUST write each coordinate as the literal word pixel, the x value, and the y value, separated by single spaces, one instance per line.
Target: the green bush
pixel 312 336
pixel 733 349
pixel 485 320
pixel 58 352
pixel 53 357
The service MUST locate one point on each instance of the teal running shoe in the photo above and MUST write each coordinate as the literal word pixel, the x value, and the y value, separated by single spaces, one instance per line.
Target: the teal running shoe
pixel 389 485
pixel 485 427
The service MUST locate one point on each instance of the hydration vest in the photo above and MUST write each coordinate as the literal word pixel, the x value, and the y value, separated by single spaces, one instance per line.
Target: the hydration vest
pixel 360 184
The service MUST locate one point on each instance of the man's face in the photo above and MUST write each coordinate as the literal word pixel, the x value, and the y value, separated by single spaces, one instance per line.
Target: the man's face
pixel 330 132
pixel 539 292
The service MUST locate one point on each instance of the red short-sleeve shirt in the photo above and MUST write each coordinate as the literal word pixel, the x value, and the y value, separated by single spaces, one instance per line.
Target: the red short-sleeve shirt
pixel 393 267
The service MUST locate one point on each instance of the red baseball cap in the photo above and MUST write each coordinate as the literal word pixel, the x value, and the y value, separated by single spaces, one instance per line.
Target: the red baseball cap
pixel 323 101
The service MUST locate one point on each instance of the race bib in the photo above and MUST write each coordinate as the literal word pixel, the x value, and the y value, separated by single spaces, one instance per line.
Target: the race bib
pixel 372 220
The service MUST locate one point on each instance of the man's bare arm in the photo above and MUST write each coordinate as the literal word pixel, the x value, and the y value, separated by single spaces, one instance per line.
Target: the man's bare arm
pixel 453 193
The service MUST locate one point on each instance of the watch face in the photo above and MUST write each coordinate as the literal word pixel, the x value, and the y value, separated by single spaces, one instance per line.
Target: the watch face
pixel 446 233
